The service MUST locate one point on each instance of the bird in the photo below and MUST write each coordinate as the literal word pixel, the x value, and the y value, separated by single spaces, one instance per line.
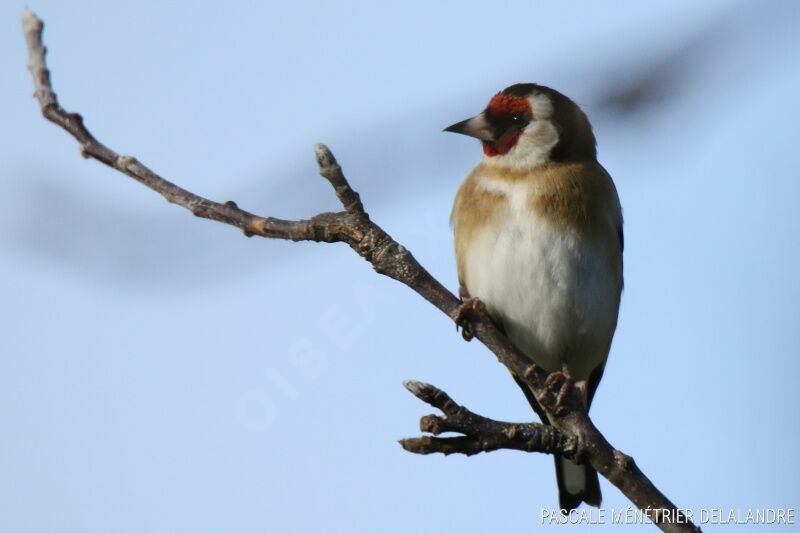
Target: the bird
pixel 539 242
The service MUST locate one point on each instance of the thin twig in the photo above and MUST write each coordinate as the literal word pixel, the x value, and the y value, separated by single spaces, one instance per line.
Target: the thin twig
pixel 574 432
pixel 480 434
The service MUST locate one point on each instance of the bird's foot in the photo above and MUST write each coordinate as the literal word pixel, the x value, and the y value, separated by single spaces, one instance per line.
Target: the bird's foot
pixel 468 308
pixel 561 384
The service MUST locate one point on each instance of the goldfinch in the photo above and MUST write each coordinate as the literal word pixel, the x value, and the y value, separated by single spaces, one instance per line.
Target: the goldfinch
pixel 538 239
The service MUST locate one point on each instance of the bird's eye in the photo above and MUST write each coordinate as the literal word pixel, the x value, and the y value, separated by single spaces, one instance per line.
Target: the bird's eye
pixel 518 118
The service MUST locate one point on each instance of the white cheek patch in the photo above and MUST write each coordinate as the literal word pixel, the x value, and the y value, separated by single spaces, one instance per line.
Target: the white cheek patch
pixel 536 142
pixel 534 145
pixel 542 107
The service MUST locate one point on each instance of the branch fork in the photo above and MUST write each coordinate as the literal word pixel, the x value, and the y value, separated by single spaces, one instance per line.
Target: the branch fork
pixel 480 434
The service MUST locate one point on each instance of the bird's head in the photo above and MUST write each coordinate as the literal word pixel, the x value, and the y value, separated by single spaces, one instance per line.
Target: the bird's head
pixel 527 125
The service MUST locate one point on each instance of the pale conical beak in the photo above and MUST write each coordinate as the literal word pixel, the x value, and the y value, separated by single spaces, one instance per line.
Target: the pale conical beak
pixel 476 126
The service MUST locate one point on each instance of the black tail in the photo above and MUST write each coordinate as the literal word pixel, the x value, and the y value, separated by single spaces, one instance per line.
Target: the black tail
pixel 576 483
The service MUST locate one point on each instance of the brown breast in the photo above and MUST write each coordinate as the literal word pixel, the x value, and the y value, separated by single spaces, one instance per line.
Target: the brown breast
pixel 579 195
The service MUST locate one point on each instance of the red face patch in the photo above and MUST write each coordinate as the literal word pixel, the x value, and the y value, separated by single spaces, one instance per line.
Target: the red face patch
pixel 505 104
pixel 502 145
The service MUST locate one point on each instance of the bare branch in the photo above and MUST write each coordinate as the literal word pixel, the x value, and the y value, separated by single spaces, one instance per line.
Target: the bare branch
pixel 574 434
pixel 481 434
pixel 329 168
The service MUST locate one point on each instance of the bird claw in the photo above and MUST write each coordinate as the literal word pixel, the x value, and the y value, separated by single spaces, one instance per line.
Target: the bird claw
pixel 563 383
pixel 468 308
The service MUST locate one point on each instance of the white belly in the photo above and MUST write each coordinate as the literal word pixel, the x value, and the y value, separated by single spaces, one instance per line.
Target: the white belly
pixel 550 288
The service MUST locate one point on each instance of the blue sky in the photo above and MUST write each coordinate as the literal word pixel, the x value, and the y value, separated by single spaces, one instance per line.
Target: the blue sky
pixel 162 373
